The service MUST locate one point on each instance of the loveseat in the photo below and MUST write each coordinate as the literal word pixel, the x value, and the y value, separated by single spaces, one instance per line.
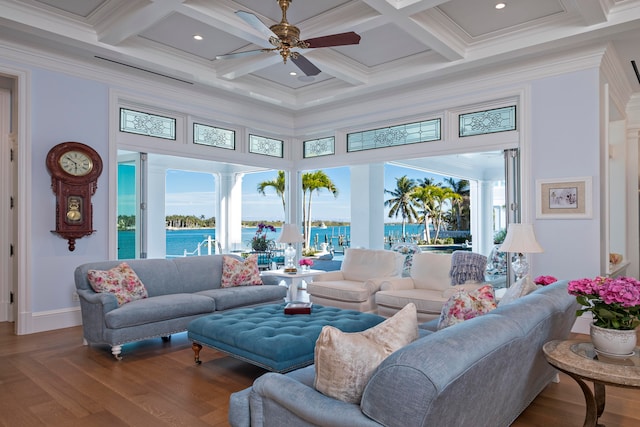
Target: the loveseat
pixel 179 290
pixel 428 285
pixel 351 287
pixel 482 372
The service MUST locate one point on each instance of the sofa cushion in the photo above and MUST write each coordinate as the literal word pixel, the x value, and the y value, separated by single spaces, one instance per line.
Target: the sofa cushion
pixel 426 301
pixel 344 362
pixel 240 272
pixel 157 309
pixel 522 287
pixel 342 290
pixel 465 305
pixel 240 296
pixel 431 270
pixel 362 264
pixel 121 281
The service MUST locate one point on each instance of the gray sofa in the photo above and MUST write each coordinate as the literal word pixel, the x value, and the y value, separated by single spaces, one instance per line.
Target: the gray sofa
pixel 482 372
pixel 180 290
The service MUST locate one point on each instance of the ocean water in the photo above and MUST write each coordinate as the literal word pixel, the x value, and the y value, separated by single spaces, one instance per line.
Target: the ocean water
pixel 188 239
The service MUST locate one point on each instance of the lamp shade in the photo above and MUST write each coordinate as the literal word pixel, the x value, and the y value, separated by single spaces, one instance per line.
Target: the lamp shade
pixel 521 239
pixel 290 234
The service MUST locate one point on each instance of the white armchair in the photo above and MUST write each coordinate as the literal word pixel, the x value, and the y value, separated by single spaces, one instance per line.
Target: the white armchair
pixel 353 287
pixel 428 287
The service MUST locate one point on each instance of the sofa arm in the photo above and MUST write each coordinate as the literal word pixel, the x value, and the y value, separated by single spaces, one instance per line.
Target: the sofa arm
pixel 398 284
pixel 94 306
pixel 328 276
pixel 301 402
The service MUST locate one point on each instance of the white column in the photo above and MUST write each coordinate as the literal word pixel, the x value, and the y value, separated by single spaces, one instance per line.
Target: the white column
pixel 367 206
pixel 484 242
pixel 229 218
pixel 156 216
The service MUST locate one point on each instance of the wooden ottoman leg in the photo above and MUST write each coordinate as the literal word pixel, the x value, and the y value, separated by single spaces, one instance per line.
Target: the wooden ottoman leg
pixel 196 350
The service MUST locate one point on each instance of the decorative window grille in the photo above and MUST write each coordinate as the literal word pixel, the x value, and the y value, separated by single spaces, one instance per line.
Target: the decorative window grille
pixel 410 133
pixel 214 137
pixel 266 146
pixel 488 121
pixel 319 147
pixel 147 124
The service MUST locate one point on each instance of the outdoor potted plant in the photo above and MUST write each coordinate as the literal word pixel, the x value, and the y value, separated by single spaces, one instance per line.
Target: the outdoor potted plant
pixel 615 306
pixel 260 242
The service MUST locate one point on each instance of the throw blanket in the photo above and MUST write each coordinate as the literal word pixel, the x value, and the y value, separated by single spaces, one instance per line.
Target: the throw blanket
pixel 467 266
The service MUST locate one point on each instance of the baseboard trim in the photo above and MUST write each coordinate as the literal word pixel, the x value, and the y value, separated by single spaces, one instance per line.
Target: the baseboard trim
pixel 55 319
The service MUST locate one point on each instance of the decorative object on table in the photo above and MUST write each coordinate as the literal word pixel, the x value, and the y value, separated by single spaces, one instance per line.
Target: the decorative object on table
pixel 520 240
pixel 290 235
pixel 544 280
pixel 615 306
pixel 306 264
pixel 615 258
pixel 298 307
pixel 260 242
pixel 74 169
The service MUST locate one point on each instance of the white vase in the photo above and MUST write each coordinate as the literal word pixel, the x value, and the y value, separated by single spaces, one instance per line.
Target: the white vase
pixel 613 341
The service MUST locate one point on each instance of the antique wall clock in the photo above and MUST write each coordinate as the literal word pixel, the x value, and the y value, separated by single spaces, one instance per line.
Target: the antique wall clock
pixel 74 169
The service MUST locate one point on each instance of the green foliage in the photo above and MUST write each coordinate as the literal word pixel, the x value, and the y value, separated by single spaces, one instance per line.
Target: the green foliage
pixel 498 238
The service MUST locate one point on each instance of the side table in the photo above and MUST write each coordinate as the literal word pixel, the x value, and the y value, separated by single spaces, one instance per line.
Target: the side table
pixel 293 280
pixel 579 360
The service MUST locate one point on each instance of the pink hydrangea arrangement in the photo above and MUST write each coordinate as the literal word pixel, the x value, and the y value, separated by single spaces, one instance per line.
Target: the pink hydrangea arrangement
pixel 306 261
pixel 544 280
pixel 614 302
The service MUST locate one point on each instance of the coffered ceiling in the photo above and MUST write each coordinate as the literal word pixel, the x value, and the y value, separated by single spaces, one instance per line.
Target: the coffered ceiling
pixel 402 41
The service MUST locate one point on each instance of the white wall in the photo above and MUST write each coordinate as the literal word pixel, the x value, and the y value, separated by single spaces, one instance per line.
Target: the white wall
pixel 564 143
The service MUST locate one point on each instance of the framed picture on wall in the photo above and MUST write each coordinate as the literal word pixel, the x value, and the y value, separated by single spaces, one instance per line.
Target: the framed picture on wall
pixel 563 198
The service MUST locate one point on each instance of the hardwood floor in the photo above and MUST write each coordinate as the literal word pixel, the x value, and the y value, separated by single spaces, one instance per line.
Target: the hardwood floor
pixel 51 379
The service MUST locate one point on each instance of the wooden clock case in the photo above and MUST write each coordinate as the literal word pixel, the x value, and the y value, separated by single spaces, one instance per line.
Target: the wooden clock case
pixel 73 188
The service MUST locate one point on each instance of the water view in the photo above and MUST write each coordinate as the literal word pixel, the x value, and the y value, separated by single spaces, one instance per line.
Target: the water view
pixel 179 241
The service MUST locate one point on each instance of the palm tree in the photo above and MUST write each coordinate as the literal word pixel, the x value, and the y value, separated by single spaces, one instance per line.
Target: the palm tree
pixel 460 206
pixel 277 184
pixel 313 181
pixel 425 200
pixel 442 195
pixel 401 202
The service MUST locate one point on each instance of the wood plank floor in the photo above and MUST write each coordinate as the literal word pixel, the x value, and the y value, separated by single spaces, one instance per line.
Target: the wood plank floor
pixel 51 379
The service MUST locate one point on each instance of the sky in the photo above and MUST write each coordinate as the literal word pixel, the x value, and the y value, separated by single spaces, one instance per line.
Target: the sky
pixel 193 193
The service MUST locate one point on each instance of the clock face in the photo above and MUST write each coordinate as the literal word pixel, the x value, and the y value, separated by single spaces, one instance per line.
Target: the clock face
pixel 76 163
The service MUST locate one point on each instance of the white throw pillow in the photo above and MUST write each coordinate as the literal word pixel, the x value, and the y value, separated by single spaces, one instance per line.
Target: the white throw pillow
pixel 519 289
pixel 344 361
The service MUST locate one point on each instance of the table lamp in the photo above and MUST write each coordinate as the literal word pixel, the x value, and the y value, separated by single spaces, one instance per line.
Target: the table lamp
pixel 290 234
pixel 521 240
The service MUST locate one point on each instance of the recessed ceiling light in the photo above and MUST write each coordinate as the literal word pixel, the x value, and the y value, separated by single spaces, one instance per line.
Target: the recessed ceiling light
pixel 197 37
pixel 293 73
pixel 500 5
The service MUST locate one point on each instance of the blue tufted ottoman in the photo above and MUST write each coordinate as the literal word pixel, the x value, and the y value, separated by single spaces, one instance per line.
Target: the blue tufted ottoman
pixel 266 337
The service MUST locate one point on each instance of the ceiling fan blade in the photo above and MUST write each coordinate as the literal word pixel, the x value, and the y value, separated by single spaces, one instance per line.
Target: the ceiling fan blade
pixel 334 40
pixel 306 66
pixel 239 54
pixel 256 23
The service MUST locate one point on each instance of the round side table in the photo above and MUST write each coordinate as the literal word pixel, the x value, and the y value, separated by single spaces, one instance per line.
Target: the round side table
pixel 580 361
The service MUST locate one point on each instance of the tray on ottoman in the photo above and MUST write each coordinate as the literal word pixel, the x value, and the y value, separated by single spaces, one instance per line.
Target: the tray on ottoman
pixel 266 337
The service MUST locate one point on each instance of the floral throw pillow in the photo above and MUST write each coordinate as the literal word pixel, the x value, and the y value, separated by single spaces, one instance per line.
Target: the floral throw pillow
pixel 465 305
pixel 240 273
pixel 121 281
